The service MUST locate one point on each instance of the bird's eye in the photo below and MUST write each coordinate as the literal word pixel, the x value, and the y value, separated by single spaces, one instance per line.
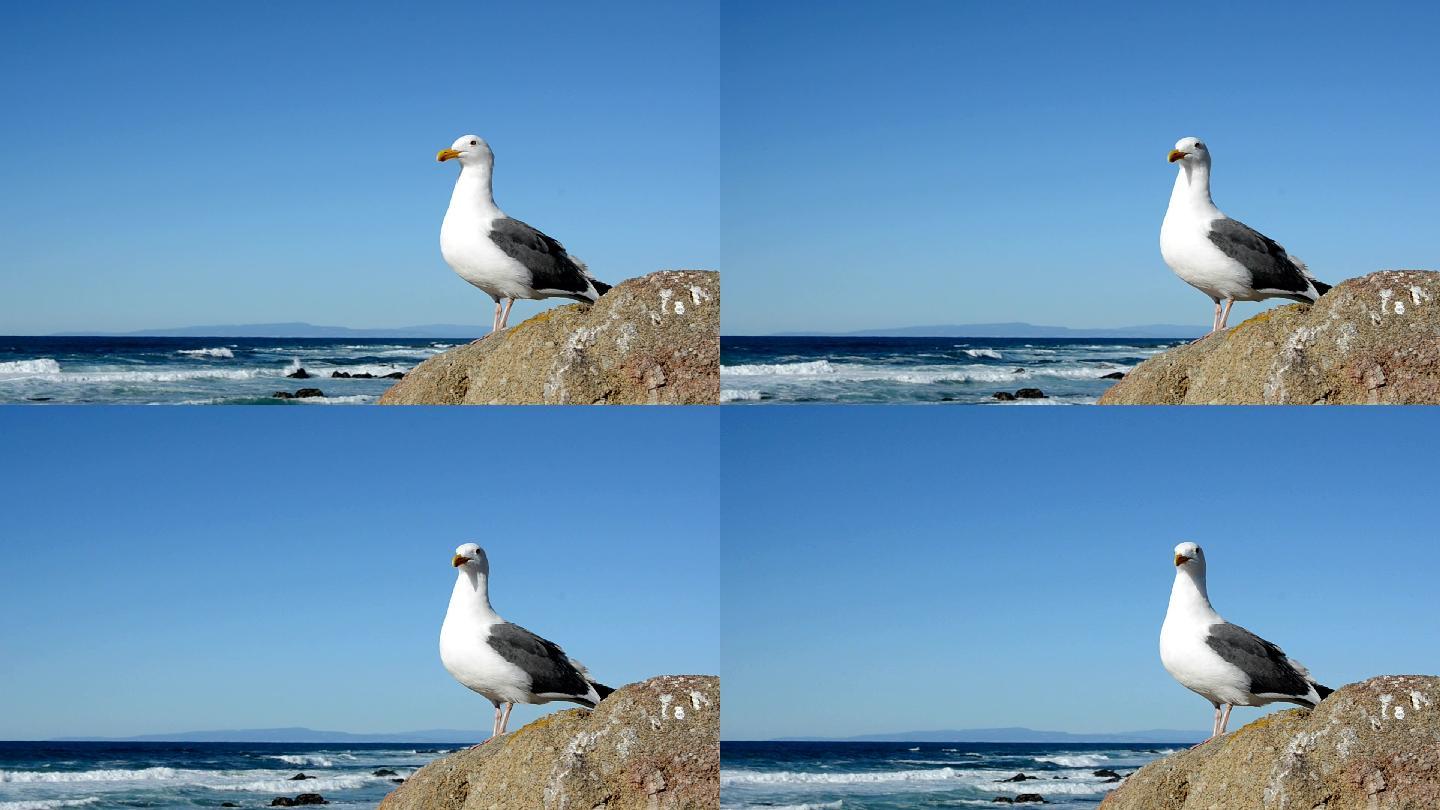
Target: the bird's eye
pixel 474 143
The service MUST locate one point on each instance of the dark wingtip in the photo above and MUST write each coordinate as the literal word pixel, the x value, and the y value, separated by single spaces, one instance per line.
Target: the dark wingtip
pixel 601 689
pixel 1322 690
pixel 600 287
pixel 1320 287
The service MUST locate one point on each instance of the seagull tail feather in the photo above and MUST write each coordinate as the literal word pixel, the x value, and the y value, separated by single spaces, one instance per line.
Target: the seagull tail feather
pixel 1322 690
pixel 601 287
pixel 602 690
pixel 1320 287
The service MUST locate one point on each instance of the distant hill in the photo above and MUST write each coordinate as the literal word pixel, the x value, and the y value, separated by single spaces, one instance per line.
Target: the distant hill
pixel 300 330
pixel 1016 329
pixel 295 735
pixel 1016 735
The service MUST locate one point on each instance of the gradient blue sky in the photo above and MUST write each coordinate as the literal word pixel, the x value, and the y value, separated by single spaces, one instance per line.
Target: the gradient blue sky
pixel 168 163
pixel 892 164
pixel 892 569
pixel 174 569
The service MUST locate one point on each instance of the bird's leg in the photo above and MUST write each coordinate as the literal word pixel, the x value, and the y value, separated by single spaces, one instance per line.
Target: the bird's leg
pixel 495 327
pixel 1215 327
pixel 1225 718
pixel 1225 316
pixel 505 718
pixel 505 316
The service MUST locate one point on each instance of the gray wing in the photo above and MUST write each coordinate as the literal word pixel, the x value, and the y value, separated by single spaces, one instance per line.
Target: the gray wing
pixel 1270 670
pixel 550 670
pixel 1271 268
pixel 551 268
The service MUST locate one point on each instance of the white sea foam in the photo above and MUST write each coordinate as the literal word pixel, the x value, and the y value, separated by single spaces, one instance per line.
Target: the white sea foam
pixel 1075 760
pixel 990 353
pixel 43 365
pixel 740 395
pixel 749 777
pixel 48 804
pixel 320 785
pixel 787 369
pixel 166 376
pixel 313 760
pixel 220 351
pixel 353 399
pixel 107 775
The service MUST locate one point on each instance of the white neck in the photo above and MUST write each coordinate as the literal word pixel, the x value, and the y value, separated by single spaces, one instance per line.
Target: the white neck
pixel 1188 599
pixel 472 597
pixel 473 192
pixel 1192 191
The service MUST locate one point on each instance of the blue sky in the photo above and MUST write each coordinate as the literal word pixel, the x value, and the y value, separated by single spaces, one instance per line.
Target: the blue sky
pixel 169 163
pixel 177 569
pixel 893 569
pixel 892 164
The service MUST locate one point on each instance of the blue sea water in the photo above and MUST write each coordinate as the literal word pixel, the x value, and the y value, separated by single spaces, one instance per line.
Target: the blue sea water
pixel 901 776
pixel 44 775
pixel 189 370
pixel 930 369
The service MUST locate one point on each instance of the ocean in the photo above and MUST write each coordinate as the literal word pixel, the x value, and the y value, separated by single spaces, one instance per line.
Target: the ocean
pixel 1068 371
pixel 203 371
pixel 44 775
pixel 899 776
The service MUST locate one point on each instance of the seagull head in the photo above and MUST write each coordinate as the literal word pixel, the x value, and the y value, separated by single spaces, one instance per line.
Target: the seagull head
pixel 1190 557
pixel 471 559
pixel 470 150
pixel 1189 151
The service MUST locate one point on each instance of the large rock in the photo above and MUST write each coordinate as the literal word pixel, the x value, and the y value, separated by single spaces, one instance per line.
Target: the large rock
pixel 1372 745
pixel 650 340
pixel 653 745
pixel 1373 339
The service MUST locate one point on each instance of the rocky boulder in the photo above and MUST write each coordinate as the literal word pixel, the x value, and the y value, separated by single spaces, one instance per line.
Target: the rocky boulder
pixel 1372 745
pixel 650 340
pixel 1370 340
pixel 653 745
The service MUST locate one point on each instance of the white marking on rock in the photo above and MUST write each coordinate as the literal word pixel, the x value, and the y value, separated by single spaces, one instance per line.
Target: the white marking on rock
pixel 1385 701
pixel 679 307
pixel 1418 700
pixel 1399 712
pixel 679 712
pixel 697 699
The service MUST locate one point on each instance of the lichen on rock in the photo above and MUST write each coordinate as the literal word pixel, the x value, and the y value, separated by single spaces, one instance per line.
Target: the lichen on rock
pixel 1372 745
pixel 653 745
pixel 1369 340
pixel 652 340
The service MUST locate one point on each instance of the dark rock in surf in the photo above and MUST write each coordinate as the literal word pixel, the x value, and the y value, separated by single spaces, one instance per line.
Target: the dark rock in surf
pixel 1114 375
pixel 385 772
pixel 1030 798
pixel 1106 772
pixel 1030 393
pixel 300 776
pixel 1003 396
pixel 1019 777
pixel 299 374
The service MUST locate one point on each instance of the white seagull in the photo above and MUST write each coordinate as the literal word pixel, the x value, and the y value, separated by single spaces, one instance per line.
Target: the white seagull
pixel 502 661
pixel 1223 662
pixel 502 256
pixel 1222 257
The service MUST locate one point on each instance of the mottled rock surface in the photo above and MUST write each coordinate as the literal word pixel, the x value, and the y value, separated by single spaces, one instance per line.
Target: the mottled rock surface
pixel 653 745
pixel 1372 745
pixel 651 340
pixel 1370 340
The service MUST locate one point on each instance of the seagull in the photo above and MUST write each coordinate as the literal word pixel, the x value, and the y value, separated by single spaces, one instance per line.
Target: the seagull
pixel 502 661
pixel 1223 257
pixel 1223 662
pixel 502 256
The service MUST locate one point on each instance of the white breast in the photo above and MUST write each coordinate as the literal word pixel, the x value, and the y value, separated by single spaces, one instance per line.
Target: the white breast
pixel 474 663
pixel 1188 250
pixel 1198 668
pixel 468 249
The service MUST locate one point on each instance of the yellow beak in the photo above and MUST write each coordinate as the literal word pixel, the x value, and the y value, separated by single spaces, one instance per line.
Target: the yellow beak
pixel 1179 560
pixel 459 561
pixel 447 154
pixel 1175 154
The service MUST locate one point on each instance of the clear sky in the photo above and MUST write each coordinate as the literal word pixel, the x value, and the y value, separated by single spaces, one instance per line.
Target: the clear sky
pixel 896 568
pixel 195 568
pixel 892 164
pixel 168 163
